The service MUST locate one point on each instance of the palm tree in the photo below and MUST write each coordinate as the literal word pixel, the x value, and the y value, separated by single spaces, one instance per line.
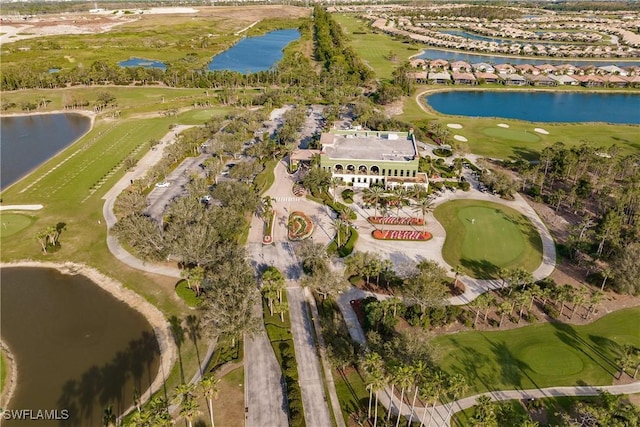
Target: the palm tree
pixel 596 297
pixel 579 299
pixel 456 387
pixel 424 207
pixel 108 417
pixel 188 405
pixel 374 194
pixel 419 371
pixel 405 378
pixel 484 414
pixel 430 392
pixel 338 224
pixel 503 309
pixel 210 389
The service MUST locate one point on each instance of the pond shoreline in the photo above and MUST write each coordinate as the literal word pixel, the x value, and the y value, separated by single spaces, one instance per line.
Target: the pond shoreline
pixel 157 321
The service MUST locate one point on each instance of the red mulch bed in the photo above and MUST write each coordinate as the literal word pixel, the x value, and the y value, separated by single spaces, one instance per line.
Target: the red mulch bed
pixel 419 236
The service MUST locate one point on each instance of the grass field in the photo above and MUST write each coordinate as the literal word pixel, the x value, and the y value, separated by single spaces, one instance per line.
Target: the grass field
pixel 514 135
pixel 550 354
pixel 381 52
pixel 11 223
pixel 3 371
pixel 483 237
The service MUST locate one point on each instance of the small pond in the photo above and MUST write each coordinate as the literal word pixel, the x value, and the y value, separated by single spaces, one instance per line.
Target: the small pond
pixel 144 63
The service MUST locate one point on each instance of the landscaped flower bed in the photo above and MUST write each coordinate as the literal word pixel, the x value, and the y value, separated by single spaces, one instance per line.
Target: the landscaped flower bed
pixel 267 230
pixel 401 235
pixel 300 226
pixel 394 220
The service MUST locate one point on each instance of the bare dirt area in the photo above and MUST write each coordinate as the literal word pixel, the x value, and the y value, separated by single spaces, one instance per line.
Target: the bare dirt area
pixel 16 28
pixel 20 29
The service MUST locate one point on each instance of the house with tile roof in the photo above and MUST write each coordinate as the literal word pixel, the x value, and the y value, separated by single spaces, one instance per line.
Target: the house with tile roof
pixel 564 80
pixel 505 69
pixel 463 78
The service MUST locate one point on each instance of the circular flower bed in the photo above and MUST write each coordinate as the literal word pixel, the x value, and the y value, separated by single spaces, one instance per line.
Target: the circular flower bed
pixel 401 235
pixel 394 220
pixel 300 226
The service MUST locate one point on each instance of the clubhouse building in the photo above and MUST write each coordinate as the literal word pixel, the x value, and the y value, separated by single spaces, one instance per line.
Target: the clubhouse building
pixel 364 158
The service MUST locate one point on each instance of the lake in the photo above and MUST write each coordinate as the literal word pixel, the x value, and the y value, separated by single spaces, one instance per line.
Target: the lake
pixel 621 108
pixel 28 141
pixel 77 347
pixel 253 54
pixel 449 55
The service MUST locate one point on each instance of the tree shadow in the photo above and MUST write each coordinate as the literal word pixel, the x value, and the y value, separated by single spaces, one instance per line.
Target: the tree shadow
pixel 113 384
pixel 470 359
pixel 481 268
pixel 568 335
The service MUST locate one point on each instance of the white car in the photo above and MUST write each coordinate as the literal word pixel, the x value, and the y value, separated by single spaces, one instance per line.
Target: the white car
pixel 163 184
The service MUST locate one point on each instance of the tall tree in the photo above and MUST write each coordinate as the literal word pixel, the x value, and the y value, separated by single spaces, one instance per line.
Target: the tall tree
pixel 210 389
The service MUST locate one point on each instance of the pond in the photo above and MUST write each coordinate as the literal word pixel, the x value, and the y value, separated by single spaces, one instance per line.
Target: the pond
pixel 253 54
pixel 450 55
pixel 144 63
pixel 620 108
pixel 77 348
pixel 28 141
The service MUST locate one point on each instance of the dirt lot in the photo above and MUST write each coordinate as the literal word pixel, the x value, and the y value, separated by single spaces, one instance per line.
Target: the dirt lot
pixel 19 28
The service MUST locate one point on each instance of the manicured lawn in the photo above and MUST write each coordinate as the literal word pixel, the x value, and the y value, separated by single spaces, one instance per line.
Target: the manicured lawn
pixel 375 49
pixel 11 223
pixel 545 355
pixel 511 134
pixel 353 394
pixel 483 237
pixel 228 408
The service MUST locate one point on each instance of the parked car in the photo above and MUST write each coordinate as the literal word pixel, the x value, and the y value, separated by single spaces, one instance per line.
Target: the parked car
pixel 205 199
pixel 163 184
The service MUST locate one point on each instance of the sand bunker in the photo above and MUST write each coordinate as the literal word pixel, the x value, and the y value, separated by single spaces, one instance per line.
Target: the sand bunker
pixel 454 125
pixel 460 138
pixel 542 131
pixel 503 125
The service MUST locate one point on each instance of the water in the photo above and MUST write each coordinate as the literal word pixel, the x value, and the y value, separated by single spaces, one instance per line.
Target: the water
pixel 77 347
pixel 473 58
pixel 621 108
pixel 28 141
pixel 145 63
pixel 253 54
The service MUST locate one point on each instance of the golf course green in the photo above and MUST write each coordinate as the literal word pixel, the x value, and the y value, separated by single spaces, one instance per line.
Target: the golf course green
pixel 543 355
pixel 483 237
pixel 11 223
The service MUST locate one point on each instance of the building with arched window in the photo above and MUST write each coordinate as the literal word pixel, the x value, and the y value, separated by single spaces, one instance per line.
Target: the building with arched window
pixel 365 158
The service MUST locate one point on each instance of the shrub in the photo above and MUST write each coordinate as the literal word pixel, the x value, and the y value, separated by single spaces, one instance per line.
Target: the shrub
pixel 551 310
pixel 464 186
pixel 442 152
pixel 187 295
pixel 347 195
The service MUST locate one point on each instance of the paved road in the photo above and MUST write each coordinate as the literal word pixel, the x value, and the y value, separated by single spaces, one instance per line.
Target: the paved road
pixel 265 402
pixel 314 400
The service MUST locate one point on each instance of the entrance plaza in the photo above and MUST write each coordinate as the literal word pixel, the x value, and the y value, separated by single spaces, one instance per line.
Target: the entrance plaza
pixel 363 158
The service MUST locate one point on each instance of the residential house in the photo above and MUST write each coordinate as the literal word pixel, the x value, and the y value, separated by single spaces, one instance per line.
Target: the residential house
pixel 564 80
pixel 418 76
pixel 487 78
pixel 612 69
pixel 527 69
pixel 439 78
pixel 547 68
pixel 418 63
pixel 590 80
pixel 540 80
pixel 567 69
pixel 460 67
pixel 463 78
pixel 513 79
pixel 614 80
pixel 505 69
pixel 438 65
pixel 483 67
